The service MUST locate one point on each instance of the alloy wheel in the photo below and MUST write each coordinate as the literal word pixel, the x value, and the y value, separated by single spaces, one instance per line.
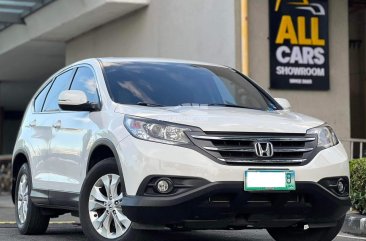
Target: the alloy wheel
pixel 105 209
pixel 23 198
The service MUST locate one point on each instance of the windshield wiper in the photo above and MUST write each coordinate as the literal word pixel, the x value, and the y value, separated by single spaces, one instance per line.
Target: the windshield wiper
pixel 149 104
pixel 229 105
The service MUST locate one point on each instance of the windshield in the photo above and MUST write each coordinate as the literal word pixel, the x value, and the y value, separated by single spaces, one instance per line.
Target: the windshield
pixel 173 84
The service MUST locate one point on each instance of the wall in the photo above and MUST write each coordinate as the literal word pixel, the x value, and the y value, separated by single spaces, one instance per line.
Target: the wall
pixel 357 25
pixel 331 106
pixel 186 29
pixel 10 131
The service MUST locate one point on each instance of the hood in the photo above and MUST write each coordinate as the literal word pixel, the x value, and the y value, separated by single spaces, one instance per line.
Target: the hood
pixel 228 119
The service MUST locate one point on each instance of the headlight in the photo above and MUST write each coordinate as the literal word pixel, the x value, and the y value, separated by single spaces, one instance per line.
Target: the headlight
pixel 326 136
pixel 158 131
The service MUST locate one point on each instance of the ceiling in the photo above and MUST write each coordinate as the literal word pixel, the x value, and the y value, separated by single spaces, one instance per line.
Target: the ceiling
pixel 14 11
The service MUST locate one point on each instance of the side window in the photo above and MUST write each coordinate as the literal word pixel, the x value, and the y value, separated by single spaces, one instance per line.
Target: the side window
pixel 61 83
pixel 39 100
pixel 85 81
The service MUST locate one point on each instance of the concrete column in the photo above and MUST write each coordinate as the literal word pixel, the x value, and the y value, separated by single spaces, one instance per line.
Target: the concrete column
pixel 1 129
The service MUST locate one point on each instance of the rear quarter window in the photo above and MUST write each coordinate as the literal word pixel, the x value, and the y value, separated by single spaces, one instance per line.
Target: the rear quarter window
pixel 39 100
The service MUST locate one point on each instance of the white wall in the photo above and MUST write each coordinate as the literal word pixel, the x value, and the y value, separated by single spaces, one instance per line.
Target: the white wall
pixel 188 29
pixel 331 106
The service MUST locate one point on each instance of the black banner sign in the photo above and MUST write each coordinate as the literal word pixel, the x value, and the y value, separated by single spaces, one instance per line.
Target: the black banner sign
pixel 299 48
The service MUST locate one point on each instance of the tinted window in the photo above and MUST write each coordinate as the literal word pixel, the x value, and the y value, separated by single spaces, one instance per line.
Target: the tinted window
pixel 84 80
pixel 38 102
pixel 61 83
pixel 172 84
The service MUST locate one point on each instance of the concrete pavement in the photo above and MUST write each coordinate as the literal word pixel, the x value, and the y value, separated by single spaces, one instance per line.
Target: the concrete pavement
pixel 71 232
pixel 66 228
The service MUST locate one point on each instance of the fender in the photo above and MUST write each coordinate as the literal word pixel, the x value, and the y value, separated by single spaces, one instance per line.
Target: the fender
pixel 13 177
pixel 110 145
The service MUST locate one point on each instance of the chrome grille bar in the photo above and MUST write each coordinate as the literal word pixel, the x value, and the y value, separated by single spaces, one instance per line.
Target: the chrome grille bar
pixel 259 161
pixel 292 149
pixel 234 148
pixel 248 149
pixel 253 138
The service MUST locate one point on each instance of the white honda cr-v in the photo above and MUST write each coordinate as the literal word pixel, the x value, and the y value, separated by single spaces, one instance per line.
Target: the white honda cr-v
pixel 131 144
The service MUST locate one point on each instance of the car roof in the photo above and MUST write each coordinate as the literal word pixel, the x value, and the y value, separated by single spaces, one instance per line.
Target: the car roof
pixel 154 60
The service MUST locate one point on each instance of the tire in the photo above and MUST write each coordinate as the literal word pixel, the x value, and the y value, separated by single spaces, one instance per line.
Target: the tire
pixel 31 221
pixel 314 234
pixel 94 181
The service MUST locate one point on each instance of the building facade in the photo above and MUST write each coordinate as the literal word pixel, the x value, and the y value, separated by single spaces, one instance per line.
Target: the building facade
pixel 235 33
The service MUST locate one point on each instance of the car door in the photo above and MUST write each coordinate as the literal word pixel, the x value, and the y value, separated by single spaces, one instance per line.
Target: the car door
pixel 71 137
pixel 39 135
pixel 46 122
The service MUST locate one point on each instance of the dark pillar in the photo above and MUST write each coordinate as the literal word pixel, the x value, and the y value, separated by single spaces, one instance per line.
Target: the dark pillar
pixel 1 129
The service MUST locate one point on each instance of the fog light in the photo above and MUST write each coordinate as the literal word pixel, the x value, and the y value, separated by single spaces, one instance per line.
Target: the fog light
pixel 164 185
pixel 341 186
pixel 337 185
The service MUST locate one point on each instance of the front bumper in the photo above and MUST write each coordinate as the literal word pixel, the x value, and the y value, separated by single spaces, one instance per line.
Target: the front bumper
pixel 227 205
pixel 140 159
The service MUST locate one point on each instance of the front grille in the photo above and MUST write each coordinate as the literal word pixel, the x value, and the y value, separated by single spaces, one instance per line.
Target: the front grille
pixel 293 149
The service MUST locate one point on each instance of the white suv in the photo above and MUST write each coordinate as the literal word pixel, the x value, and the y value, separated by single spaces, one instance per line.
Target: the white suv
pixel 131 144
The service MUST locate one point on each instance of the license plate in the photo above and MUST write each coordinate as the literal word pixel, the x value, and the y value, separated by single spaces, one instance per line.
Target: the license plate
pixel 267 180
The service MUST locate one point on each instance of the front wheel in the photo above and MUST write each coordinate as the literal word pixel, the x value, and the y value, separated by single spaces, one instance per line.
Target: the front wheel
pixel 312 234
pixel 100 208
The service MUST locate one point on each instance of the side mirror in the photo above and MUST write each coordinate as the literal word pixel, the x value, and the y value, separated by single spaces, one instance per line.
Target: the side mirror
pixel 75 100
pixel 284 103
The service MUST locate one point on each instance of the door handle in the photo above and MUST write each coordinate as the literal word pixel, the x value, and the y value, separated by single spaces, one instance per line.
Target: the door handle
pixel 57 125
pixel 33 123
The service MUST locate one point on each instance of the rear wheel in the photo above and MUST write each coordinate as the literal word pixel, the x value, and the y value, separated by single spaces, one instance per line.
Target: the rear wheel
pixel 100 208
pixel 312 234
pixel 29 218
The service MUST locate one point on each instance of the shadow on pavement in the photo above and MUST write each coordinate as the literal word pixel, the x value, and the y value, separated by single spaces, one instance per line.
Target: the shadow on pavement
pixel 207 236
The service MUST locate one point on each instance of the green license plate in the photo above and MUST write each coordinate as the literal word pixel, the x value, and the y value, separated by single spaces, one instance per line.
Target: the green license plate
pixel 269 180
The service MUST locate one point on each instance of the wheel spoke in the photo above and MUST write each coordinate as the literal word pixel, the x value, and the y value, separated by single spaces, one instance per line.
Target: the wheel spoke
pixel 97 223
pixel 20 188
pixel 120 196
pixel 98 195
pixel 107 225
pixel 20 206
pixel 24 210
pixel 24 186
pixel 95 205
pixel 122 219
pixel 26 191
pixel 114 186
pixel 107 184
pixel 118 225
